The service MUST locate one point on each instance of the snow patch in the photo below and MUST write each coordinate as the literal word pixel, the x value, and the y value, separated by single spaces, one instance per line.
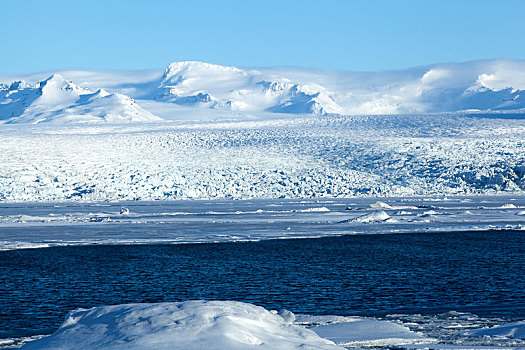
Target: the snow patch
pixel 315 210
pixel 508 206
pixel 380 205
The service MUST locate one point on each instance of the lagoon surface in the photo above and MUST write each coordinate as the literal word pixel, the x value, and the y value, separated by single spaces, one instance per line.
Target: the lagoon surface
pixel 367 275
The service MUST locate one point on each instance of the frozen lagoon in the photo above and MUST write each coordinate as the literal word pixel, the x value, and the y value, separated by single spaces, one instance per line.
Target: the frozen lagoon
pixel 27 225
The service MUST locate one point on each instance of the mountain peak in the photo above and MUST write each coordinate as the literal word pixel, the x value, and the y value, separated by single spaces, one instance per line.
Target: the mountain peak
pixel 200 84
pixel 56 84
pixel 197 65
pixel 54 79
pixel 19 85
pixel 178 72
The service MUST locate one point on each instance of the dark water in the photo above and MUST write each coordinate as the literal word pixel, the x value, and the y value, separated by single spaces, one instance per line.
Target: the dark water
pixel 478 272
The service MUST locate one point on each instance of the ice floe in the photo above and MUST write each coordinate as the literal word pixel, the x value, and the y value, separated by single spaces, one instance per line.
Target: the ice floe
pixel 369 332
pixel 509 330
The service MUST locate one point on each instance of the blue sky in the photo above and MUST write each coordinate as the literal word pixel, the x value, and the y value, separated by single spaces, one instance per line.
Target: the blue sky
pixel 345 35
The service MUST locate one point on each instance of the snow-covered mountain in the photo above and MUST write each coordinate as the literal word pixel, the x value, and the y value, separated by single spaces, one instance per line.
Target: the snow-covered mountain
pixel 222 87
pixel 192 90
pixel 495 85
pixel 57 100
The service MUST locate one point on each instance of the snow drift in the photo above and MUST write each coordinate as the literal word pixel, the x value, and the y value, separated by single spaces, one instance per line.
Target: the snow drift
pixel 369 332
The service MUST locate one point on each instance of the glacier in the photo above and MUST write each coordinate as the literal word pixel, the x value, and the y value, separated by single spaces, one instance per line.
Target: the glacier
pixel 295 157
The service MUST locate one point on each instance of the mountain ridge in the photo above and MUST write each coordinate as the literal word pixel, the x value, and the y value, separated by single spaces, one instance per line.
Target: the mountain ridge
pixel 188 88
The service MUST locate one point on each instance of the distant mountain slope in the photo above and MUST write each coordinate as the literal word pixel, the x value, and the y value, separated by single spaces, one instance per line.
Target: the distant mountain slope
pixel 56 100
pixel 209 85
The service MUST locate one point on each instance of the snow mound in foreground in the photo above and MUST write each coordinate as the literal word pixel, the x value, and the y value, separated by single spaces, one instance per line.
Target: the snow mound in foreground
pixel 55 100
pixel 369 332
pixel 509 330
pixel 185 325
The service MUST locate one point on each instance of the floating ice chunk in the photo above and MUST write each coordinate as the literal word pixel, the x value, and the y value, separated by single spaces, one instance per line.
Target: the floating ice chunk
pixel 378 216
pixel 315 210
pixel 509 330
pixel 369 332
pixel 430 212
pixel 124 211
pixel 380 205
pixel 521 212
pixel 185 325
pixel 508 206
